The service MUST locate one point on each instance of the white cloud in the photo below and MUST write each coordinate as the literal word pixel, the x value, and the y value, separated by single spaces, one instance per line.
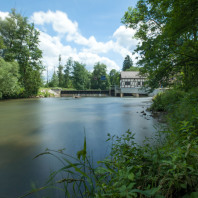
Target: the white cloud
pixel 88 50
pixel 90 59
pixel 124 37
pixel 3 15
pixel 59 20
pixel 52 48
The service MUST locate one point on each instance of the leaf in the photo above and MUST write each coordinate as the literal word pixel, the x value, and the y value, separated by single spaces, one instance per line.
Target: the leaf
pixel 148 193
pixel 131 176
pixel 122 188
pixel 194 195
pixel 44 153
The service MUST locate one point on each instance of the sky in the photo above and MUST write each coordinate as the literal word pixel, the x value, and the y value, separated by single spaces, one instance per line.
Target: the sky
pixel 89 31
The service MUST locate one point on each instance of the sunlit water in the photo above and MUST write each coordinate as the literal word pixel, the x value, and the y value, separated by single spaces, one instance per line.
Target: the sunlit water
pixel 29 126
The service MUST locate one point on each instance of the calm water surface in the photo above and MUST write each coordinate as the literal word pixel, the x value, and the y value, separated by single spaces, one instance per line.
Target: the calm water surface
pixel 29 126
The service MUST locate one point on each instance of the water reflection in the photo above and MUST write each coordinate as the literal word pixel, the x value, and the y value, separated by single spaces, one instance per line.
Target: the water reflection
pixel 28 127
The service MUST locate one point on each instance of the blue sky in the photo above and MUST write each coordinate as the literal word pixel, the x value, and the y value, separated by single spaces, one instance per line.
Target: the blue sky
pixel 86 30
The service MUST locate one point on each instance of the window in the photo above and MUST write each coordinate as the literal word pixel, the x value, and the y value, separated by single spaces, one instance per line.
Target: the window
pixel 138 83
pixel 127 83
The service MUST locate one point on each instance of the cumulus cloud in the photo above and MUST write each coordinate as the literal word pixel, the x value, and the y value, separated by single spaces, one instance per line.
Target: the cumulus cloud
pixel 91 58
pixel 88 50
pixel 124 37
pixel 59 20
pixel 3 15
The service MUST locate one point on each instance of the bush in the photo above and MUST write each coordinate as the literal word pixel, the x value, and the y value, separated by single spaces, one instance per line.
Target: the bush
pixel 166 101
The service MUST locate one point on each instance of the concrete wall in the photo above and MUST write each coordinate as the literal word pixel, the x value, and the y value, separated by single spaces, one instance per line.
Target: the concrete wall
pixel 134 90
pixel 84 95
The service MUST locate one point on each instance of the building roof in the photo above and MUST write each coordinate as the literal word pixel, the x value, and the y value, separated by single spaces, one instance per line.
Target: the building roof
pixel 131 74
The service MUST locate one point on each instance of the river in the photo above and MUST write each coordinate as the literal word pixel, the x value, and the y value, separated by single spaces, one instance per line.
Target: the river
pixel 29 126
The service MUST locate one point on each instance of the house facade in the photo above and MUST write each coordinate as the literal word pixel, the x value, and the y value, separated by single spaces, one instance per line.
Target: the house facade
pixel 131 79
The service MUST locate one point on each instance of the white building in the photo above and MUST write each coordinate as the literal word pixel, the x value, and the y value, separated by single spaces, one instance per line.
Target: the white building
pixel 131 79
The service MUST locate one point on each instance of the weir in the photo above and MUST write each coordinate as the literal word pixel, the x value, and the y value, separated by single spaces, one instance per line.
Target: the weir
pixel 113 91
pixel 85 93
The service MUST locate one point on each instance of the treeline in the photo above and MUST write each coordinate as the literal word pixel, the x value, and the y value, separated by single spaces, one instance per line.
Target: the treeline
pixel 20 57
pixel 74 75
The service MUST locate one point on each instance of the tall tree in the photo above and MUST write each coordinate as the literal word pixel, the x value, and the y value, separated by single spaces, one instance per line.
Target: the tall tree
pixel 80 76
pixel 100 79
pixel 168 32
pixel 127 63
pixel 67 73
pixel 54 80
pixel 21 42
pixel 114 77
pixel 60 73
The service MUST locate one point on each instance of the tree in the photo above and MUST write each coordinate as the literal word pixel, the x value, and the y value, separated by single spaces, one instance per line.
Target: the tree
pixel 168 32
pixel 100 79
pixel 127 63
pixel 80 76
pixel 21 44
pixel 9 75
pixel 67 73
pixel 54 81
pixel 114 77
pixel 60 74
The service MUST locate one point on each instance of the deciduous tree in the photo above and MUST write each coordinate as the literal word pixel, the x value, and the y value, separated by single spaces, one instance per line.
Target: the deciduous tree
pixel 114 77
pixel 80 76
pixel 21 41
pixel 168 33
pixel 67 73
pixel 9 75
pixel 100 79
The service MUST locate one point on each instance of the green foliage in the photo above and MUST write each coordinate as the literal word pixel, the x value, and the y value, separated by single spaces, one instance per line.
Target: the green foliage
pixel 167 100
pixel 67 73
pixel 9 75
pixel 60 74
pixel 114 77
pixel 133 69
pixel 80 76
pixel 100 70
pixel 54 81
pixel 168 47
pixel 21 44
pixel 127 64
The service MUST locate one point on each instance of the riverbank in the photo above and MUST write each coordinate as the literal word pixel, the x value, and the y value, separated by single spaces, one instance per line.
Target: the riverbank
pixel 164 166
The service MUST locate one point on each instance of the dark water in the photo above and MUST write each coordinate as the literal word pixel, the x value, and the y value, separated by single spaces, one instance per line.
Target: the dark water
pixel 28 127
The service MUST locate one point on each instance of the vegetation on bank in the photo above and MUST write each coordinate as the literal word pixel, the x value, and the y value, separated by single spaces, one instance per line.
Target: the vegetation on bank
pixel 163 166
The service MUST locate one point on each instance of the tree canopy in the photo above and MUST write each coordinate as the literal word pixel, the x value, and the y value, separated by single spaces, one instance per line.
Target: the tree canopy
pixel 114 77
pixel 20 43
pixel 9 75
pixel 127 63
pixel 100 79
pixel 168 46
pixel 80 76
